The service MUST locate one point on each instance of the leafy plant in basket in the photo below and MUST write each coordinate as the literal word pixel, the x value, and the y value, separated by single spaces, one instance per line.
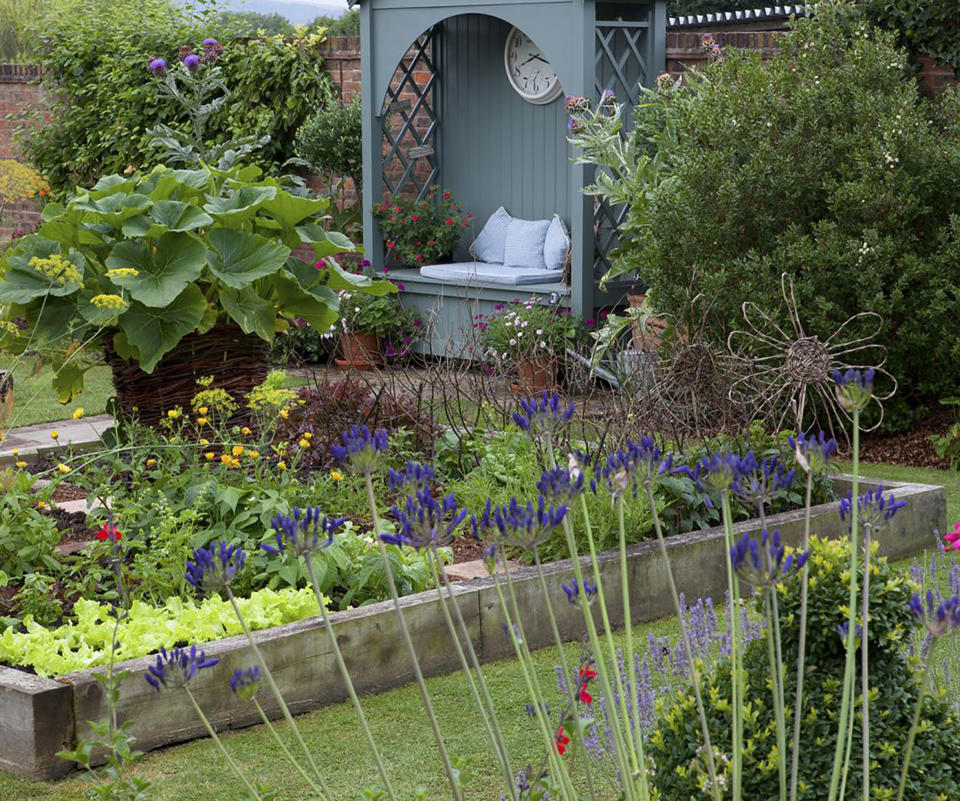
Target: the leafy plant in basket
pixel 140 262
pixel 421 231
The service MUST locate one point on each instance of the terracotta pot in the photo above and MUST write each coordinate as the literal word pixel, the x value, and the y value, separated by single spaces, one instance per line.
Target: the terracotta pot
pixel 361 351
pixel 535 374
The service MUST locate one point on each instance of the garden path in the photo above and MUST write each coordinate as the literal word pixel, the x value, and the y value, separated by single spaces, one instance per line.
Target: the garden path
pixel 36 440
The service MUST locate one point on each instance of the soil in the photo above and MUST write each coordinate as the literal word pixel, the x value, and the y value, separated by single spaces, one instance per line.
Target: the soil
pixel 68 492
pixel 74 526
pixel 912 448
pixel 466 549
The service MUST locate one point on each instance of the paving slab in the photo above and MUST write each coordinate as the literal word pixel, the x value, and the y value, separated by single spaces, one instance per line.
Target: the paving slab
pixel 34 441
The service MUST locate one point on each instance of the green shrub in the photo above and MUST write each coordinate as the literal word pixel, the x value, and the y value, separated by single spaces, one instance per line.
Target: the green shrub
pixel 928 28
pixel 824 163
pixel 103 101
pixel 934 773
pixel 330 140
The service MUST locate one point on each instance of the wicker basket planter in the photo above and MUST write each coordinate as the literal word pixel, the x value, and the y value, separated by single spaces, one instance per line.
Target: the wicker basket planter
pixel 236 361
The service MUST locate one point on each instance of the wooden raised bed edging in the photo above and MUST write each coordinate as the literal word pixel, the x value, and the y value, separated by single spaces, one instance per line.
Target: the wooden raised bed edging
pixel 38 717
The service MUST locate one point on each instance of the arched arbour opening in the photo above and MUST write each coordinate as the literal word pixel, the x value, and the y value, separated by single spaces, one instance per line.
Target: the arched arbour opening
pixel 442 112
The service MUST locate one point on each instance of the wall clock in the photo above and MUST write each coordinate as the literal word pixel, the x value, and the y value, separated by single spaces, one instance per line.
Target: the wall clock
pixel 529 73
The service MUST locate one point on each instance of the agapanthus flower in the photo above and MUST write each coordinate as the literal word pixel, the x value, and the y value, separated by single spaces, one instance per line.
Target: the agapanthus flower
pixel 813 452
pixel 854 388
pixel 716 471
pixel 844 630
pixel 874 508
pixel 633 465
pixel 361 450
pixel 413 474
pixel 765 562
pixel 573 591
pixel 561 485
pixel 157 66
pixel 213 568
pixel 192 62
pixel 177 667
pixel 543 414
pixel 424 521
pixel 245 682
pixel 523 525
pixel 303 534
pixel 939 619
pixel 757 481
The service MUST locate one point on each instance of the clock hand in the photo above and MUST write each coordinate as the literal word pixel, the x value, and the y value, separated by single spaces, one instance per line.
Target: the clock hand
pixel 535 57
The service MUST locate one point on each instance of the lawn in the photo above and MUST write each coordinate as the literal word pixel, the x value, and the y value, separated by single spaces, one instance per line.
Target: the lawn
pixel 36 402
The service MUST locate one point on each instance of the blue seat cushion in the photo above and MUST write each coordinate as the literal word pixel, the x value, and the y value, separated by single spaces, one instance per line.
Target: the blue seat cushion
pixel 524 245
pixel 473 272
pixel 490 244
pixel 556 245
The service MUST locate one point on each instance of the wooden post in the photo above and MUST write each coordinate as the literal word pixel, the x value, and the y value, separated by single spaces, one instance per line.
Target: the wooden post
pixel 372 137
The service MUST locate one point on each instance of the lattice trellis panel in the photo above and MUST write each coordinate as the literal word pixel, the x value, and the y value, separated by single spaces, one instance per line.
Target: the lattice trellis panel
pixel 411 121
pixel 621 65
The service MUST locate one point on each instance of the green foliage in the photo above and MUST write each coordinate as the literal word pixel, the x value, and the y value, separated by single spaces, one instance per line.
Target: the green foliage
pixel 27 536
pixel 330 141
pixel 893 688
pixel 821 162
pixel 253 23
pixel 146 260
pixel 947 446
pixel 928 28
pixel 345 25
pixel 91 63
pixel 421 231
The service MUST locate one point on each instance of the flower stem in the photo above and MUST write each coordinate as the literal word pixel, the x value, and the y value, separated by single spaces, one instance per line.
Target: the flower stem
pixel 286 751
pixel 802 647
pixel 915 725
pixel 736 674
pixel 864 666
pixel 405 633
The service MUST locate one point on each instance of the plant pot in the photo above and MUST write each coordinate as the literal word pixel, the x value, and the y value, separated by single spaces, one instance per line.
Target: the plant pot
pixel 535 374
pixel 6 397
pixel 237 362
pixel 361 351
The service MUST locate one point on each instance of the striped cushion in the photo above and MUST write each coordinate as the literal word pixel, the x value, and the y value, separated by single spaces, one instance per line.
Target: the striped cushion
pixel 491 241
pixel 524 246
pixel 556 245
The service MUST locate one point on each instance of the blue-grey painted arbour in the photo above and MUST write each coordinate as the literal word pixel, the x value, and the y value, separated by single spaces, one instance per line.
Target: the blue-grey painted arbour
pixel 438 109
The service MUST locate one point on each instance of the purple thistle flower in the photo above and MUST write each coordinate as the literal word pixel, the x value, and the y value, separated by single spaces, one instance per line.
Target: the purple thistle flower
pixel 425 522
pixel 192 62
pixel 157 66
pixel 245 682
pixel 177 667
pixel 413 475
pixel 608 98
pixel 873 507
pixel 361 450
pixel 301 536
pixel 210 42
pixel 854 388
pixel 543 413
pixel 211 569
pixel 938 619
pixel 573 591
pixel 765 562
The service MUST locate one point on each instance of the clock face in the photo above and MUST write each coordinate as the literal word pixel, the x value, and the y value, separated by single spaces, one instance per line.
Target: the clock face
pixel 529 73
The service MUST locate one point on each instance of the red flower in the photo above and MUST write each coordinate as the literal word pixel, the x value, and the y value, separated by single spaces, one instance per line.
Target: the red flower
pixel 449 221
pixel 584 675
pixel 390 245
pixel 446 196
pixel 109 532
pixel 415 218
pixel 562 741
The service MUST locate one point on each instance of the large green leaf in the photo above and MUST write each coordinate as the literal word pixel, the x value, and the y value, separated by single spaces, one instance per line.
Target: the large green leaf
pixel 167 215
pixel 68 382
pixel 288 210
pixel 311 280
pixel 341 279
pixel 68 229
pixel 251 312
pixel 23 283
pixel 113 209
pixel 163 270
pixel 239 206
pixel 238 258
pixel 294 302
pixel 154 332
pixel 325 243
pixel 97 315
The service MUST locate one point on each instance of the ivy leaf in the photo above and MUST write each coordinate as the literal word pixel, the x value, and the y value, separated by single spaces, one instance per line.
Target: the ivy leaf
pixel 163 270
pixel 239 258
pixel 251 312
pixel 156 331
pixel 240 206
pixel 22 283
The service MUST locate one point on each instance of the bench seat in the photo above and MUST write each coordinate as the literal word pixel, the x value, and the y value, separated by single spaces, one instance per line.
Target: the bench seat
pixel 478 272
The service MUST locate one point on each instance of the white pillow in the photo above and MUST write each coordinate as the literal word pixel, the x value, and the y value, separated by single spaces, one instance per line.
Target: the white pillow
pixel 556 245
pixel 525 241
pixel 491 242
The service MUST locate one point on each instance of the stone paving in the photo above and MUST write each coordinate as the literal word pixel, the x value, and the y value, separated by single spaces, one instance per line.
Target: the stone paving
pixel 34 441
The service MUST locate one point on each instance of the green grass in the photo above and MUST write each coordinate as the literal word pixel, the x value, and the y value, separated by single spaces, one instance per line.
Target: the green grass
pixel 36 402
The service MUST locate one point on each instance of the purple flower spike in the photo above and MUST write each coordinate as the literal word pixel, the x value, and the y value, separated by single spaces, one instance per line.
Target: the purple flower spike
pixel 361 450
pixel 244 683
pixel 757 482
pixel 177 667
pixel 300 534
pixel 413 475
pixel 158 67
pixel 873 507
pixel 425 522
pixel 211 569
pixel 813 452
pixel 525 526
pixel 573 591
pixel 939 619
pixel 543 414
pixel 854 388
pixel 192 62
pixel 765 562
pixel 561 485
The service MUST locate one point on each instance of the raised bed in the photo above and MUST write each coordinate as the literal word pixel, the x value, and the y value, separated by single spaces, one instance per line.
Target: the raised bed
pixel 39 717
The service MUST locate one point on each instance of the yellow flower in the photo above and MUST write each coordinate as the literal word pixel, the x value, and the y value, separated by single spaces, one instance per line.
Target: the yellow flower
pixel 208 456
pixel 245 431
pixel 173 414
pixel 237 450
pixel 56 269
pixel 151 462
pixel 304 443
pixel 54 435
pixel 336 475
pixel 41 505
pixel 225 458
pixel 308 435
pixel 122 272
pixel 201 421
pixel 204 442
pixel 284 414
pixel 233 463
pixel 108 302
pixel 21 464
pixel 78 413
pixel 253 454
pixel 63 468
pixel 203 410
pixel 282 464
pixel 15 452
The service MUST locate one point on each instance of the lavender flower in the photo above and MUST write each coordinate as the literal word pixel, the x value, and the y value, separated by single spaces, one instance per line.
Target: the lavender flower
pixel 938 619
pixel 413 475
pixel 766 562
pixel 192 62
pixel 245 682
pixel 213 568
pixel 543 414
pixel 812 452
pixel 854 388
pixel 873 507
pixel 177 667
pixel 425 522
pixel 301 536
pixel 361 450
pixel 157 66
pixel 573 591
pixel 526 526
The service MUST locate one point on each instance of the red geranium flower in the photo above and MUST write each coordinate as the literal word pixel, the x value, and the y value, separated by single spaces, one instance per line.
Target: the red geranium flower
pixel 109 532
pixel 562 740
